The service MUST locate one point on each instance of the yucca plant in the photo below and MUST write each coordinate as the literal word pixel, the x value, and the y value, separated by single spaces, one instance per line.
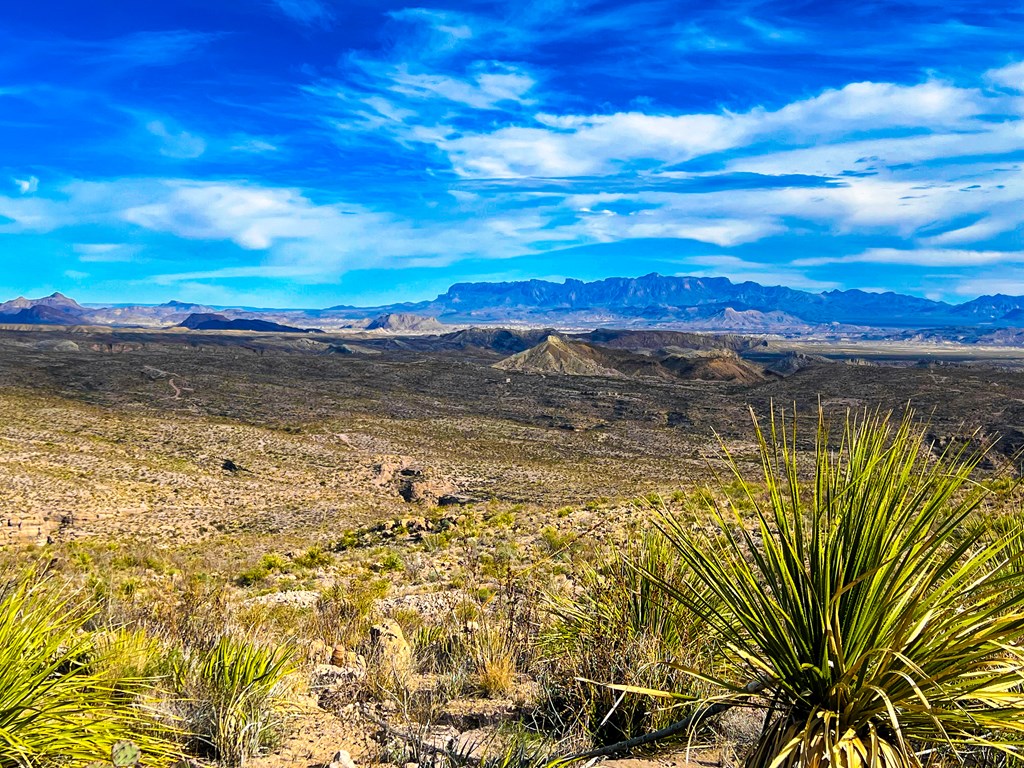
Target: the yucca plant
pixel 879 632
pixel 57 706
pixel 236 697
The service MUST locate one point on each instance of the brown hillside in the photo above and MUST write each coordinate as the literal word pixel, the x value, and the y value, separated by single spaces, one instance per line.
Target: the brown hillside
pixel 555 355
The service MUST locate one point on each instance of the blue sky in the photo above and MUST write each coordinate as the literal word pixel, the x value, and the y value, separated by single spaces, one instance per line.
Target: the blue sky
pixel 311 153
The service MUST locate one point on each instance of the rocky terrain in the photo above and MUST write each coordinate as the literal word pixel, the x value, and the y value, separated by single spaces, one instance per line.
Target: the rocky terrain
pixel 402 509
pixel 127 433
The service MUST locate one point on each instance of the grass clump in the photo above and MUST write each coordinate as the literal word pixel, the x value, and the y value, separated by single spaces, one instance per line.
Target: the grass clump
pixel 236 698
pixel 878 631
pixel 271 562
pixel 314 557
pixel 614 627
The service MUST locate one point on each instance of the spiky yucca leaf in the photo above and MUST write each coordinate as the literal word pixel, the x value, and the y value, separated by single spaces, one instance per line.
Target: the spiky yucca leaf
pixel 875 624
pixel 56 705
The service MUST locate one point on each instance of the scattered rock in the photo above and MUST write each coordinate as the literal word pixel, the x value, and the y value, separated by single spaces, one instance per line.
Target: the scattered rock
pixel 328 676
pixel 390 646
pixel 303 598
pixel 352 665
pixel 318 652
pixel 413 482
pixel 342 759
pixel 420 489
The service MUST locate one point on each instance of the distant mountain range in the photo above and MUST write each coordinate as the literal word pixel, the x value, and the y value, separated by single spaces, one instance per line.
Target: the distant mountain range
pixel 711 303
pixel 651 301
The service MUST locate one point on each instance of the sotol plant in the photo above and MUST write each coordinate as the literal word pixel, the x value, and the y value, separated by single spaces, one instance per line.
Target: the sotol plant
pixel 879 630
pixel 56 705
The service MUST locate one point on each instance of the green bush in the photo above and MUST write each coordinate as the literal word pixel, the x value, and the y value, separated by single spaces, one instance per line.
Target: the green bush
pixel 343 609
pixel 880 632
pixel 235 697
pixel 314 557
pixel 272 562
pixel 56 703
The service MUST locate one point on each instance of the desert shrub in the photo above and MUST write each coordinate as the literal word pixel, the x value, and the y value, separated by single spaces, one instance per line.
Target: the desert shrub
pixel 314 557
pixel 348 540
pixel 342 611
pixel 879 632
pixel 272 562
pixel 391 561
pixel 615 628
pixel 195 613
pixel 553 540
pixel 441 648
pixel 56 703
pixel 235 698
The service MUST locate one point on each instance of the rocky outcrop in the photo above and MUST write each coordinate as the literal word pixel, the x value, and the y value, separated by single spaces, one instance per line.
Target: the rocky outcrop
pixel 390 648
pixel 414 482
pixel 404 321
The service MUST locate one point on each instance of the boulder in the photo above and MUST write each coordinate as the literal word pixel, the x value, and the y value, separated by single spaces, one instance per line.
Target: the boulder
pixel 390 646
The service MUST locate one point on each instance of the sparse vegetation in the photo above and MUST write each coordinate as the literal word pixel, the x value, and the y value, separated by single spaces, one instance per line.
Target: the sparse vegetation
pixel 171 566
pixel 615 628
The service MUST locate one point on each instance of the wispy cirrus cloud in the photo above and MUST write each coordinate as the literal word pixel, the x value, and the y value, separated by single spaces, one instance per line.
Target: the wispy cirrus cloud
pixel 309 12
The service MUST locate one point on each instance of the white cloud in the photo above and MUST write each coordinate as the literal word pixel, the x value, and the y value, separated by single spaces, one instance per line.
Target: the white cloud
pixel 308 12
pixel 1010 77
pixel 740 270
pixel 485 88
pixel 254 146
pixel 919 257
pixel 592 145
pixel 602 144
pixel 667 217
pixel 253 217
pixel 27 186
pixel 178 144
pixel 105 252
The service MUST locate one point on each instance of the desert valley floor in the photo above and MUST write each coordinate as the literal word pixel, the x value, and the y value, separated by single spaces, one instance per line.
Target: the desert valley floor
pixel 295 489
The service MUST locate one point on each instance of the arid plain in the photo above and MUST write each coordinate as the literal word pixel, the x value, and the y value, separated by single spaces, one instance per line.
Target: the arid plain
pixel 447 488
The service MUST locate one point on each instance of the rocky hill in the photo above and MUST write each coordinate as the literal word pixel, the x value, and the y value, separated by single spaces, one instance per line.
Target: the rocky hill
pixel 555 355
pixel 55 309
pixel 404 321
pixel 208 321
